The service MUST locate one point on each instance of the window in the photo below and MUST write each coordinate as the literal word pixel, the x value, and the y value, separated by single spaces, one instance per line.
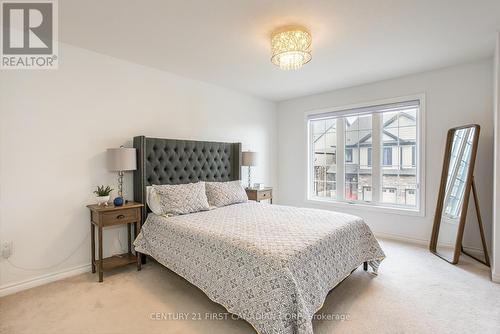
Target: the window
pixel 408 156
pixel 387 156
pixel 366 155
pixel 348 155
pixel 413 156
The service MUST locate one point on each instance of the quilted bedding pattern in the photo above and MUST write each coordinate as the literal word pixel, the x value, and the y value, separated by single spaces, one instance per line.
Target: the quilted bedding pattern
pixel 271 265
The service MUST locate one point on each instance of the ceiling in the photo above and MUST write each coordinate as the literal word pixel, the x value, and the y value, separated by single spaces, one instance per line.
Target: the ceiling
pixel 226 42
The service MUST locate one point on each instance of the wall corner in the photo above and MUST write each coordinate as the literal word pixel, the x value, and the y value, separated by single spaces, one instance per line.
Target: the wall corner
pixel 495 267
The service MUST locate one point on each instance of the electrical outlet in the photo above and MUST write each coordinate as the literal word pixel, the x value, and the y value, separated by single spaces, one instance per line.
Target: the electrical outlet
pixel 7 249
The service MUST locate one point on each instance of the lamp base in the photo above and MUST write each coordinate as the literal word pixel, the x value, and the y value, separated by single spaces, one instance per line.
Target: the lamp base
pixel 118 201
pixel 249 185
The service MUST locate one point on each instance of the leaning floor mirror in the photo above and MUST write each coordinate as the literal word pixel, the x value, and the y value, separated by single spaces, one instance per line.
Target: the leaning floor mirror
pixel 457 183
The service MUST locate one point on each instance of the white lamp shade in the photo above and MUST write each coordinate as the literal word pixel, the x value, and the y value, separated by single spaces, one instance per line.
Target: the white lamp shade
pixel 249 158
pixel 121 159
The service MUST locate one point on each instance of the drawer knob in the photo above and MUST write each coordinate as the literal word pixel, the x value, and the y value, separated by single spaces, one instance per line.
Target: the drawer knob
pixel 120 217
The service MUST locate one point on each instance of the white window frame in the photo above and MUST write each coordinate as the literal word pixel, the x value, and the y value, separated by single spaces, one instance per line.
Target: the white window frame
pixel 376 163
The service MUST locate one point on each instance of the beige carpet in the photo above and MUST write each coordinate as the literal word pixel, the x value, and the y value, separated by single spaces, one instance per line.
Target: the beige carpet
pixel 415 292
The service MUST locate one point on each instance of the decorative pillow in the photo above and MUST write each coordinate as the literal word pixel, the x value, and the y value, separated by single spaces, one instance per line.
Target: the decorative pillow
pixel 225 193
pixel 180 199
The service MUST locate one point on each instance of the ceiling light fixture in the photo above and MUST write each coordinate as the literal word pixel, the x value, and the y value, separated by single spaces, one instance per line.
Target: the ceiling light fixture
pixel 291 48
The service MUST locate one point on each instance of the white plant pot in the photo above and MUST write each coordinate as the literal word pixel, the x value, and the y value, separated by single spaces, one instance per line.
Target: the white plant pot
pixel 102 200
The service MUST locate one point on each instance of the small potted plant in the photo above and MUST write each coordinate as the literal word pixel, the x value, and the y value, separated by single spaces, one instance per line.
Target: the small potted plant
pixel 103 195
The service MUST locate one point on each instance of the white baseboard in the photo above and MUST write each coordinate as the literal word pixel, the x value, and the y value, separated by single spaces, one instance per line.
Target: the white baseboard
pixel 398 237
pixel 43 279
pixel 477 252
pixel 472 250
pixel 495 277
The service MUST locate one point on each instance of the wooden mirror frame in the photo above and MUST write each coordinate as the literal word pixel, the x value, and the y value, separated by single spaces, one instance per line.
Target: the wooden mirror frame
pixel 469 184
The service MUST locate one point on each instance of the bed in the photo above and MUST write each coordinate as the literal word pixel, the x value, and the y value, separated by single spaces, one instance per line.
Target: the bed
pixel 271 265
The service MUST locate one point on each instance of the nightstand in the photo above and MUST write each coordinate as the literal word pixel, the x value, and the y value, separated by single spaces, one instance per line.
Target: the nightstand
pixel 260 194
pixel 104 216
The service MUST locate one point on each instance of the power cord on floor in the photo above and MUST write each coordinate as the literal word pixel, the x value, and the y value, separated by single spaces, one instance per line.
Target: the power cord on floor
pixel 119 241
pixel 51 266
pixel 63 260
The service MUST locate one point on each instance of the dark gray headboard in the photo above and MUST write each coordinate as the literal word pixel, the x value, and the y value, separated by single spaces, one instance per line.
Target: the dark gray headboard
pixel 172 161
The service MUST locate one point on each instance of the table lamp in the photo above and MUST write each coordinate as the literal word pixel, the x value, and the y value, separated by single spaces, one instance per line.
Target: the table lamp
pixel 249 159
pixel 120 160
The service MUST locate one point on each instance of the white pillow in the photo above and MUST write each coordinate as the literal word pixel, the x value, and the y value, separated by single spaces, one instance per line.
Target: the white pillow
pixel 225 193
pixel 179 199
pixel 153 200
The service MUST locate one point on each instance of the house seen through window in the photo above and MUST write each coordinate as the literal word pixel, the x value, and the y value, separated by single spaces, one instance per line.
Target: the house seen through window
pixel 367 155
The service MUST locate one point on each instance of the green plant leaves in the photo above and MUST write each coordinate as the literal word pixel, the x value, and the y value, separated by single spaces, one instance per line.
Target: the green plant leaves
pixel 102 191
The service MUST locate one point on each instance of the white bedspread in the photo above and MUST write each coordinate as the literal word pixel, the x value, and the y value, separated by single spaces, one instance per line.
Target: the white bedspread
pixel 271 265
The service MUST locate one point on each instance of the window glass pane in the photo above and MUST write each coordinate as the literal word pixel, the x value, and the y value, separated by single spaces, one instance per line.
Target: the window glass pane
pixel 319 151
pixel 367 193
pixel 407 133
pixel 364 150
pixel 365 122
pixel 318 127
pixel 410 197
pixel 319 188
pixel 330 125
pixel 399 173
pixel 408 118
pixel 407 154
pixel 351 123
pixel 407 187
pixel 413 114
pixel 358 178
pixel 390 120
pixel 351 188
pixel 324 138
pixel 331 189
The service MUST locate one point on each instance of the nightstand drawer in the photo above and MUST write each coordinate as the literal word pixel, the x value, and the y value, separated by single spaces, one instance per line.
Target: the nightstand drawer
pixel 260 194
pixel 264 194
pixel 120 217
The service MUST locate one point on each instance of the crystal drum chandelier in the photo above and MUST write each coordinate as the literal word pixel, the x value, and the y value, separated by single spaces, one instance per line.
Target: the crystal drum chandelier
pixel 291 48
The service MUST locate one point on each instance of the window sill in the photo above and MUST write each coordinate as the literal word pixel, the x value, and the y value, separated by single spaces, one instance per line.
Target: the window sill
pixel 368 207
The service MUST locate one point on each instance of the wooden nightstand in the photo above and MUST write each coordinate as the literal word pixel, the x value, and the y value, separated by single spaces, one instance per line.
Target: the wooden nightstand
pixel 260 194
pixel 103 216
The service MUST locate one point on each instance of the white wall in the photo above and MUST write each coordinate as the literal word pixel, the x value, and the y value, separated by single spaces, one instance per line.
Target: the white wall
pixel 454 96
pixel 496 198
pixel 55 127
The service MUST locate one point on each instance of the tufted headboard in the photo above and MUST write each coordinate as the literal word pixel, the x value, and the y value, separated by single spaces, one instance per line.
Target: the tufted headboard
pixel 172 161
